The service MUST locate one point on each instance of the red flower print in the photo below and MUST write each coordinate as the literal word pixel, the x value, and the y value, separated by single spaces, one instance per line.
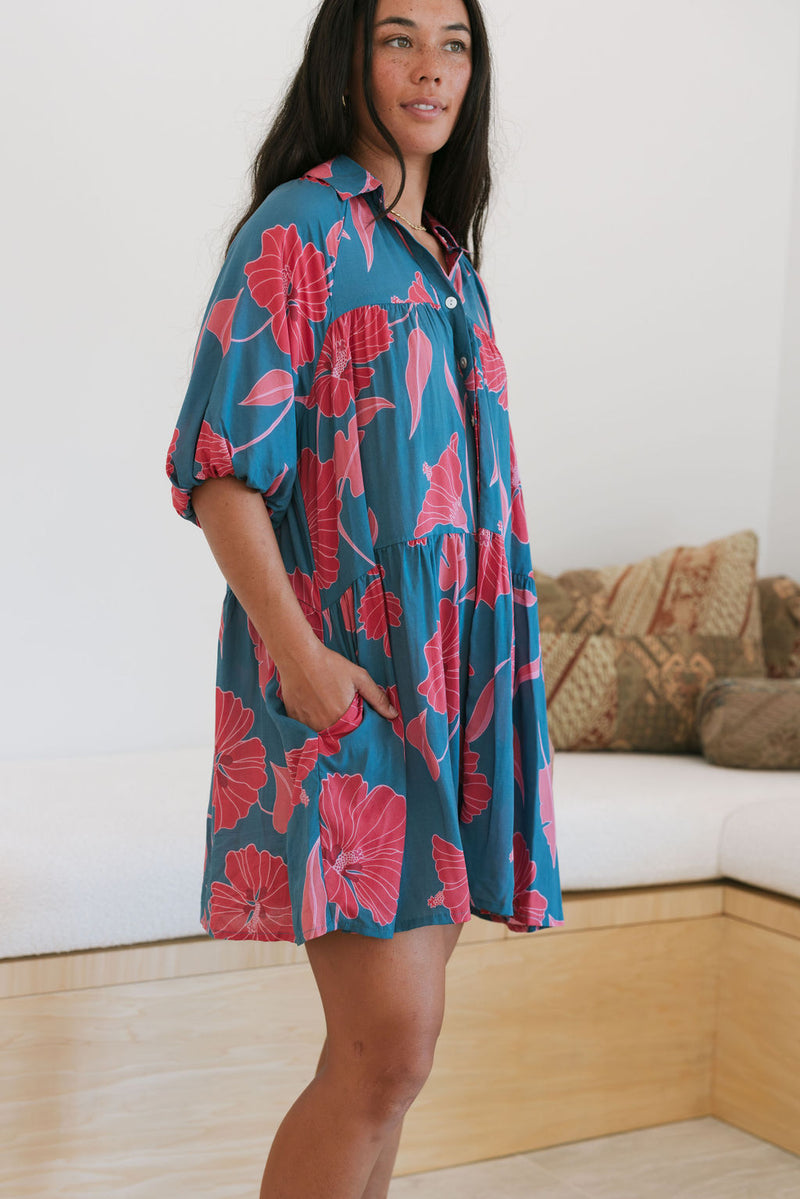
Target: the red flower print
pixel 475 787
pixel 315 899
pixel 519 521
pixel 170 452
pixel 370 407
pixel 334 237
pixel 370 334
pixel 362 840
pixel 493 577
pixel 379 609
pixel 239 765
pixel 364 221
pixel 213 453
pixel 256 906
pixel 347 607
pixel 418 370
pixel 291 281
pixel 453 563
pixel 417 735
pixel 493 366
pixel 275 387
pixel 321 172
pixel 220 321
pixel 180 500
pixel 528 670
pixel 452 871
pixel 347 457
pixel 442 505
pixel 546 809
pixel 288 794
pixel 418 294
pixel 323 508
pixel 529 906
pixel 394 700
pixel 266 667
pixel 373 525
pixel 352 341
pixel 442 653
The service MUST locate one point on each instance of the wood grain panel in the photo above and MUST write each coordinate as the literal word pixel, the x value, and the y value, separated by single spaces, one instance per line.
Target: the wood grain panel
pixel 757 1078
pixel 566 1039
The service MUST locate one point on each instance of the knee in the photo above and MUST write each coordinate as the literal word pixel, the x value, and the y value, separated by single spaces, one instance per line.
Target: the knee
pixel 390 1087
pixel 383 1079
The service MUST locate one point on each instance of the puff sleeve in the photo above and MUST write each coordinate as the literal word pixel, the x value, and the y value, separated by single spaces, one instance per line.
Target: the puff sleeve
pixel 250 369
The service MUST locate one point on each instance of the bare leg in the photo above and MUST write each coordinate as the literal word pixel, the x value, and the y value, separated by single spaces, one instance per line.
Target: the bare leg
pixel 384 1005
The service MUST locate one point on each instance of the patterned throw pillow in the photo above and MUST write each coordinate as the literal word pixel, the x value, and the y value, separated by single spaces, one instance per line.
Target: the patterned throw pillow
pixel 752 723
pixel 780 617
pixel 628 650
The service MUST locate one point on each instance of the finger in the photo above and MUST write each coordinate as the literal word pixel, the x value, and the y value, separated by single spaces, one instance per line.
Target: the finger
pixel 375 696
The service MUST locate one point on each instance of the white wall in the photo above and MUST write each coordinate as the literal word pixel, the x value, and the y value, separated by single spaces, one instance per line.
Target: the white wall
pixel 644 272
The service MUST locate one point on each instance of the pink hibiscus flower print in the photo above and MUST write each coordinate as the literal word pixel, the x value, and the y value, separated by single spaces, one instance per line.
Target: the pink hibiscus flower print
pixel 290 280
pixel 417 293
pixel 362 838
pixel 492 365
pixel 379 609
pixel 352 341
pixel 493 576
pixel 214 453
pixel 172 446
pixel 529 906
pixel 180 501
pixel 474 786
pixel 442 504
pixel 220 321
pixel 442 652
pixel 254 905
pixel 323 508
pixel 266 667
pixel 453 563
pixel 239 764
pixel 452 871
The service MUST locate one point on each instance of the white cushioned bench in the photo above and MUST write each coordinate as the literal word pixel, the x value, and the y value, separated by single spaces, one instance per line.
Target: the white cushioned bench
pixel 108 850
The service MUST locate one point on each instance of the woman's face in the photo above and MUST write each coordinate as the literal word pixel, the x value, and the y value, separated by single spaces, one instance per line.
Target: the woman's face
pixel 421 68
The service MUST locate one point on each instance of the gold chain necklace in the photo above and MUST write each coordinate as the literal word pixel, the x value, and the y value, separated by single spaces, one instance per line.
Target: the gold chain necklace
pixel 421 228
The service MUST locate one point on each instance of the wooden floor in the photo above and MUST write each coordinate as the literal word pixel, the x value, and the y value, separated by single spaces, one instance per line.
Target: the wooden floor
pixel 692 1159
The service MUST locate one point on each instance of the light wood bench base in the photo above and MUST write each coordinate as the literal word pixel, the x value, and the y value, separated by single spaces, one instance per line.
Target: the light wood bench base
pixel 172 1064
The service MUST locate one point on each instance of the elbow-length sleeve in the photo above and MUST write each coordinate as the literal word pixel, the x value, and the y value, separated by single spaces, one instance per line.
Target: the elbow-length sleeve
pixel 259 331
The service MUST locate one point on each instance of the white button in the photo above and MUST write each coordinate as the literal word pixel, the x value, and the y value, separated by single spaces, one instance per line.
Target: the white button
pixel 464 363
pixel 451 302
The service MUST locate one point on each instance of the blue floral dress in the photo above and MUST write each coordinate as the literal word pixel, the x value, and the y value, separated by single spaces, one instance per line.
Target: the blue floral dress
pixel 354 383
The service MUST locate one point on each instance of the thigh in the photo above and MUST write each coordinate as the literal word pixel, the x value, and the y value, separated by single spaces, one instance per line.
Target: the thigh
pixel 383 999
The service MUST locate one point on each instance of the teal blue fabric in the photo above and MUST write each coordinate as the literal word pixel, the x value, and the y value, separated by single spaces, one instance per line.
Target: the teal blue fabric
pixel 358 386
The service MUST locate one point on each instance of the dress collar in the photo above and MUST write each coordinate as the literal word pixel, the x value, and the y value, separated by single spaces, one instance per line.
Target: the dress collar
pixel 349 179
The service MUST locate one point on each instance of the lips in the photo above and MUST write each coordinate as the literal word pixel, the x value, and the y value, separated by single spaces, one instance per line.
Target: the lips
pixel 424 104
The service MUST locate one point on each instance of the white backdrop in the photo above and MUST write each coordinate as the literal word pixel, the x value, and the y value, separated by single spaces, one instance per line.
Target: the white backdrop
pixel 642 261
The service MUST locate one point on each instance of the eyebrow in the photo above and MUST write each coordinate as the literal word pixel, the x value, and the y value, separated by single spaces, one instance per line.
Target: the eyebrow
pixel 413 25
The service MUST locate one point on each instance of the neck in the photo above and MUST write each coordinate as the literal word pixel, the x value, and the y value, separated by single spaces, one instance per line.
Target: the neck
pixel 383 165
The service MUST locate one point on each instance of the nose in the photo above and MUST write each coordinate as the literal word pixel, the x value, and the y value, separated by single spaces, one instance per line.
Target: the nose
pixel 427 65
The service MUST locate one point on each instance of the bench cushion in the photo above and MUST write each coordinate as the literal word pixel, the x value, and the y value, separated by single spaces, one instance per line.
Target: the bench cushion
pixel 108 850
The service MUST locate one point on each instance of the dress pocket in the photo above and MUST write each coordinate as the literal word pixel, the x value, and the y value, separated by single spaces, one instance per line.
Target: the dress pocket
pixel 346 723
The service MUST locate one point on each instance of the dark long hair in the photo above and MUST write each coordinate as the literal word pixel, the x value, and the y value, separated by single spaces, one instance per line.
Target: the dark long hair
pixel 312 125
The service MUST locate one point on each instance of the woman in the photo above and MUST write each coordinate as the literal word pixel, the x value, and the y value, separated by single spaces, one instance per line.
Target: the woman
pixel 383 766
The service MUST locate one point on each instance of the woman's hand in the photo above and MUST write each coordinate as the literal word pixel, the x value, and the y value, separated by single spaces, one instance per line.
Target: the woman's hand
pixel 319 688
